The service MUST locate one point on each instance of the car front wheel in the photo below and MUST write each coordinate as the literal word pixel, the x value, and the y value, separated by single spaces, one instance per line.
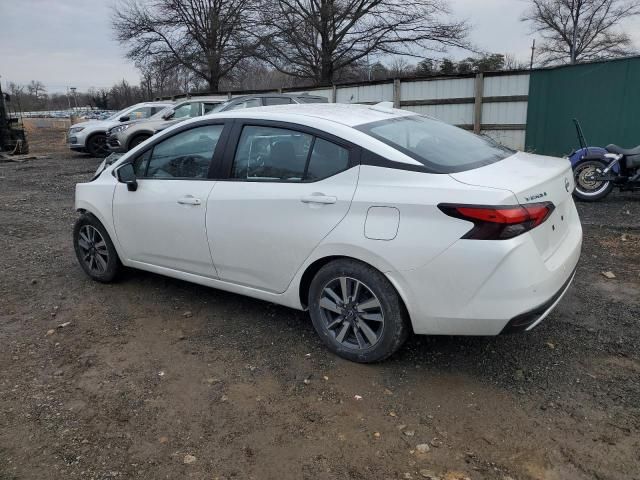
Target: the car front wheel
pixel 357 312
pixel 95 251
pixel 97 145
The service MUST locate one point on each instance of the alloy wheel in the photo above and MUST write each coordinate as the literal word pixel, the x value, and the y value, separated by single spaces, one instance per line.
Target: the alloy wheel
pixel 93 249
pixel 352 313
pixel 98 146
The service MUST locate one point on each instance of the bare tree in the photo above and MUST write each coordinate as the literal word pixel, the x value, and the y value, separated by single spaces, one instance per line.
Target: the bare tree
pixel 399 67
pixel 205 37
pixel 581 30
pixel 317 38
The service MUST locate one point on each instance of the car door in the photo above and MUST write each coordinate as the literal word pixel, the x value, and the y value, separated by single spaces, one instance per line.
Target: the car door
pixel 287 189
pixel 162 223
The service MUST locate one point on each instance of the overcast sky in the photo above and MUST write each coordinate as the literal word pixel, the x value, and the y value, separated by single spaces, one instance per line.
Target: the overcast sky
pixel 70 42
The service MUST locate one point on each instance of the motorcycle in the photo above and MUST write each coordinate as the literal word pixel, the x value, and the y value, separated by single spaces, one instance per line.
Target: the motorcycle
pixel 598 170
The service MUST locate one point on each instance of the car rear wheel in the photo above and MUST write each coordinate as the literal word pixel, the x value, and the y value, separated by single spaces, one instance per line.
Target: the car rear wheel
pixel 357 312
pixel 138 140
pixel 97 145
pixel 94 249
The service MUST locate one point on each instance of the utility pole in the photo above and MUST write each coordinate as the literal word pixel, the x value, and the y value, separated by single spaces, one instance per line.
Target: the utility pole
pixel 533 52
pixel 68 98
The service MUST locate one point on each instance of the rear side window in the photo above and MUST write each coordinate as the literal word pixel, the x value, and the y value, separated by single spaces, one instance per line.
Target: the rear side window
pixel 184 155
pixel 440 147
pixel 271 154
pixel 326 160
pixel 250 103
pixel 310 99
pixel 280 155
pixel 208 107
pixel 277 101
pixel 139 113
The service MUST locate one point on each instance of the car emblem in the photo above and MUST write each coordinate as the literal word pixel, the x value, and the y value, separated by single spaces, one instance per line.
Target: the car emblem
pixel 567 185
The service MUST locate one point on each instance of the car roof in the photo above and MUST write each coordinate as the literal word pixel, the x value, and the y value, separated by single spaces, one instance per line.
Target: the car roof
pixel 219 98
pixel 143 104
pixel 281 95
pixel 350 115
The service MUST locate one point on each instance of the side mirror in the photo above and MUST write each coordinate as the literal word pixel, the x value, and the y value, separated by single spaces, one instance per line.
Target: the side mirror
pixel 167 115
pixel 125 118
pixel 127 175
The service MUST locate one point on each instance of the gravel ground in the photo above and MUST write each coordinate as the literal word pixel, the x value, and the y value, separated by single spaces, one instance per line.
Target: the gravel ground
pixel 157 378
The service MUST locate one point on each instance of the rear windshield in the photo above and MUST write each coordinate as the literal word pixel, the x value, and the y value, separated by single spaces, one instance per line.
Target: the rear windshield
pixel 441 147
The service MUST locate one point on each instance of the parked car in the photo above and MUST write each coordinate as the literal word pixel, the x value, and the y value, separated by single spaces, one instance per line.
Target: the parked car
pixel 91 136
pixel 267 100
pixel 378 221
pixel 127 135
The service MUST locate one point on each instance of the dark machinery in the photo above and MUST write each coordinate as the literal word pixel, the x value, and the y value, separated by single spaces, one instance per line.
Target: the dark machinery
pixel 13 139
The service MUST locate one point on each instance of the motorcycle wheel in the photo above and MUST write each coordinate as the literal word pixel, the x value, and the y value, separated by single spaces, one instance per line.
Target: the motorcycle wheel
pixel 590 190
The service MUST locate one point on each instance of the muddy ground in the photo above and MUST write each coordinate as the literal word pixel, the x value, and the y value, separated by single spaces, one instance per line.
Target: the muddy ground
pixel 157 378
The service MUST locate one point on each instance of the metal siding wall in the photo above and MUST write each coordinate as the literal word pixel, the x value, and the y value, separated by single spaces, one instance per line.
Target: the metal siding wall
pixel 507 113
pixel 506 85
pixel 511 138
pixel 437 89
pixel 323 92
pixel 366 93
pixel 456 112
pixel 453 114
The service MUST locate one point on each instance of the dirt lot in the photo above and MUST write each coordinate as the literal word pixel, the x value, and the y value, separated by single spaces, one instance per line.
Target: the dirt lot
pixel 156 378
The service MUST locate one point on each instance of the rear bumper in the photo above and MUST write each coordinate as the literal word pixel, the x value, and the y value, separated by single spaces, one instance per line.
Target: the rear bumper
pixel 481 287
pixel 529 320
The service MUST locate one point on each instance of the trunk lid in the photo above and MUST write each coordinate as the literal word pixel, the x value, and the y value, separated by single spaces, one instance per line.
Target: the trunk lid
pixel 533 179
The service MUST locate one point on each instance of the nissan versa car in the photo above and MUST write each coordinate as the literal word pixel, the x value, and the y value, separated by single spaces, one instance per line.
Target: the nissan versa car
pixel 378 221
pixel 125 136
pixel 91 136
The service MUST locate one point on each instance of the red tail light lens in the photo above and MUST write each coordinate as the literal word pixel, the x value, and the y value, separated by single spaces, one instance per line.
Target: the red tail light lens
pixel 499 222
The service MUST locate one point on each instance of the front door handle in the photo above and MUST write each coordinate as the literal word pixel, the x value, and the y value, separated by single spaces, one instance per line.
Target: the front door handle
pixel 320 198
pixel 189 200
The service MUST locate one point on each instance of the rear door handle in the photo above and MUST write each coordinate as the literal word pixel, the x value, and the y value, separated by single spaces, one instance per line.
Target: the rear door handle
pixel 189 200
pixel 319 198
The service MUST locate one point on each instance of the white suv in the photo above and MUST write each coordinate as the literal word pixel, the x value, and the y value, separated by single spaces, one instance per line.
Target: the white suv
pixel 91 136
pixel 378 221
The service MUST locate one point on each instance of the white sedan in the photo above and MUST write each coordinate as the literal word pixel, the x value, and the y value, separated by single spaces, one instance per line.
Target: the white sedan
pixel 378 221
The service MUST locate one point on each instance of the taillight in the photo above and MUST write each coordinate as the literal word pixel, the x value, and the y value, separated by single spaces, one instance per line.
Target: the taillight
pixel 499 222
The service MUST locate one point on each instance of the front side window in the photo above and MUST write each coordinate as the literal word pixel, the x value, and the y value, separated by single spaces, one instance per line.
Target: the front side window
pixel 183 111
pixel 439 146
pixel 140 164
pixel 283 155
pixel 185 155
pixel 155 110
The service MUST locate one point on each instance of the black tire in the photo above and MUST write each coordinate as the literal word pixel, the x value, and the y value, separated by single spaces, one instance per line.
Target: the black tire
pixel 137 140
pixel 590 191
pixel 90 239
pixel 97 145
pixel 391 332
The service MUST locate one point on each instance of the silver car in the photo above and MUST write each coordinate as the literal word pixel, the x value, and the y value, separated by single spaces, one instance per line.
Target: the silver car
pixel 90 136
pixel 123 137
